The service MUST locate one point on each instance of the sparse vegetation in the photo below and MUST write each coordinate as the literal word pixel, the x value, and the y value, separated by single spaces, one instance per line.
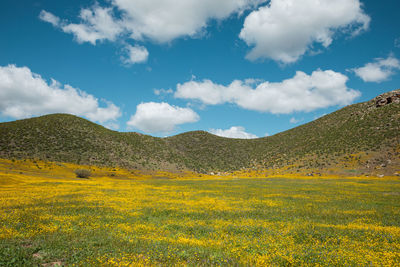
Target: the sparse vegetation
pixel 83 173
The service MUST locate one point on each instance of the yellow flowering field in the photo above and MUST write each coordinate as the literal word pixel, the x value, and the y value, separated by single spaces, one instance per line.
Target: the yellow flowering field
pixel 120 218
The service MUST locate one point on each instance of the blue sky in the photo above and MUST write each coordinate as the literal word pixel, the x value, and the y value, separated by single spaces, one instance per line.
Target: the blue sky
pixel 237 68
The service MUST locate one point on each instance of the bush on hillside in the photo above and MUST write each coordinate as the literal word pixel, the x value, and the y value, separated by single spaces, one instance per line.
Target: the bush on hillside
pixel 83 173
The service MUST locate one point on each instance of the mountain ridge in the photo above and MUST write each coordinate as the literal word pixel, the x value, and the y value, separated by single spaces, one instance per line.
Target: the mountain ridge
pixel 368 131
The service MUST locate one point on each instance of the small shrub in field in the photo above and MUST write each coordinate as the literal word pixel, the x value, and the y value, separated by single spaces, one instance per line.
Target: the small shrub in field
pixel 83 173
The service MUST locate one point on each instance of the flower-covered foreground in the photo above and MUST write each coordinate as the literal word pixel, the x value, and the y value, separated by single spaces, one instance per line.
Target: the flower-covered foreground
pixel 49 217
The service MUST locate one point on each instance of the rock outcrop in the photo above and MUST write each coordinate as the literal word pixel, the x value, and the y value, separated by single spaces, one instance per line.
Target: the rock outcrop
pixel 387 98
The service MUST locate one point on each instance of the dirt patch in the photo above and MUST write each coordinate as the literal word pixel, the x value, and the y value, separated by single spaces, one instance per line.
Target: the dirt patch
pixel 51 264
pixel 27 244
pixel 37 255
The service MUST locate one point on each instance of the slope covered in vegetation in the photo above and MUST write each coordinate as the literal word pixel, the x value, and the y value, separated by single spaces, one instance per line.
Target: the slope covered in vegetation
pixel 363 138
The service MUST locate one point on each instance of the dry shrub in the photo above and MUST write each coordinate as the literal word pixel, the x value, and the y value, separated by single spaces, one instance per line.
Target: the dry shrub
pixel 83 173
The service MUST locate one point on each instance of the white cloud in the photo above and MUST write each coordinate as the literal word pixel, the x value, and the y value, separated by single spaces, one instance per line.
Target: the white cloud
pixel 154 117
pixel 284 30
pixel 165 20
pixel 379 70
pixel 293 120
pixel 98 24
pixel 163 91
pixel 234 132
pixel 25 94
pixel 50 18
pixel 135 54
pixel 303 92
pixel 159 20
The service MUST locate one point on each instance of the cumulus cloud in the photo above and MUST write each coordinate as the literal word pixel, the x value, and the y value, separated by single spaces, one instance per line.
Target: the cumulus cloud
pixel 303 92
pixel 162 117
pixel 135 54
pixel 284 30
pixel 379 70
pixel 97 24
pixel 160 21
pixel 234 132
pixel 163 21
pixel 25 94
pixel 142 20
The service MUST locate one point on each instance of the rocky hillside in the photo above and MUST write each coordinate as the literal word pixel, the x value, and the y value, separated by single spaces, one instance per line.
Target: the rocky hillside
pixel 361 138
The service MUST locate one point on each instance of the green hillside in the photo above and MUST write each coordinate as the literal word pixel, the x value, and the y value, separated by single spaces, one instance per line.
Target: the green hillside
pixel 362 137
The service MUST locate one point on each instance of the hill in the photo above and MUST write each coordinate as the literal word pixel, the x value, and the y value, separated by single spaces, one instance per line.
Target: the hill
pixel 362 138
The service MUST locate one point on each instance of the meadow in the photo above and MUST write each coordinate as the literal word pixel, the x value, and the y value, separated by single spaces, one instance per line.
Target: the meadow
pixel 48 217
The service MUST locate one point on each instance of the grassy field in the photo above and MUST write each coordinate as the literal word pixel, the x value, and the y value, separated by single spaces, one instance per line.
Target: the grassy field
pixel 48 217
